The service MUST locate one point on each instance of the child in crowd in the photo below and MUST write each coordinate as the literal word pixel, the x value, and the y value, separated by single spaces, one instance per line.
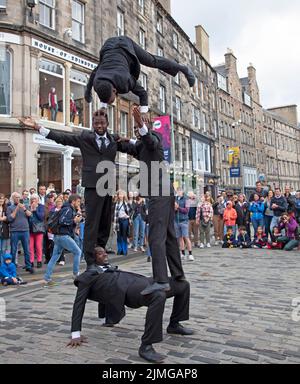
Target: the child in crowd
pixel 243 240
pixel 8 272
pixel 261 239
pixel 275 244
pixel 229 239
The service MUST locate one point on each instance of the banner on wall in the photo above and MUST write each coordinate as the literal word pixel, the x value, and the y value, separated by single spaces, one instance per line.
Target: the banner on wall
pixel 235 161
pixel 162 125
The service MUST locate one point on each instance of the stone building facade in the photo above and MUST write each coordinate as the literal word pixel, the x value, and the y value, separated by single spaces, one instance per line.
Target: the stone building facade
pixel 268 139
pixel 47 53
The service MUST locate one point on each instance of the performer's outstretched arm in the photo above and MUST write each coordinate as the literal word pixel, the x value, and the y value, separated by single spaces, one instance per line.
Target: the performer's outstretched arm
pixel 60 138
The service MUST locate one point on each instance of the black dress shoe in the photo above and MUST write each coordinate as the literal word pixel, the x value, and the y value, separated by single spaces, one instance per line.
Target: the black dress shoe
pixel 178 329
pixel 189 74
pixel 110 252
pixel 30 270
pixel 39 265
pixel 88 96
pixel 149 259
pixel 155 287
pixel 148 353
pixel 108 325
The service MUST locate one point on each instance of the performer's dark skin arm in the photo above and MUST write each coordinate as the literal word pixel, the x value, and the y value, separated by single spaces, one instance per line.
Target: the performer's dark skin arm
pixel 77 316
pixel 60 138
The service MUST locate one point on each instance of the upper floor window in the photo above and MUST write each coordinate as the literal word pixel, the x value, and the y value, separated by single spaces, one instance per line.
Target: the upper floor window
pixel 78 21
pixel 160 51
pixel 120 23
pixel 47 13
pixel 178 107
pixel 141 6
pixel 159 24
pixel 124 123
pixel 162 99
pixel 80 112
pixel 5 83
pixel 142 38
pixel 144 81
pixel 2 4
pixel 175 40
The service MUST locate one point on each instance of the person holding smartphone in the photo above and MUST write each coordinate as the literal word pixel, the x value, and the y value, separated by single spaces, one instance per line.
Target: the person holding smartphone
pixel 18 215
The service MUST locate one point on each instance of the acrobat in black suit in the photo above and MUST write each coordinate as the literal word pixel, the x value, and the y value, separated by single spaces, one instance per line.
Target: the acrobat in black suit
pixel 119 69
pixel 114 289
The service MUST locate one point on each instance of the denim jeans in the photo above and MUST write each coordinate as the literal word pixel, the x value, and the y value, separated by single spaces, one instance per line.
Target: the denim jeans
pixel 4 246
pixel 15 237
pixel 257 223
pixel 139 231
pixel 122 236
pixel 289 244
pixel 61 243
pixel 275 222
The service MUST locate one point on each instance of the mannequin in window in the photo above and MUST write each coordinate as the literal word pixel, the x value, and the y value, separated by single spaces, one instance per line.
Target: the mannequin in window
pixel 53 104
pixel 73 109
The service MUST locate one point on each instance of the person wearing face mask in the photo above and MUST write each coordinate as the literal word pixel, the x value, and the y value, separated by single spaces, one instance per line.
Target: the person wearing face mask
pixel 96 146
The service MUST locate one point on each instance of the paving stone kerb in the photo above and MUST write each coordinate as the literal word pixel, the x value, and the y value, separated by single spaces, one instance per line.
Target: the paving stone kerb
pixel 241 311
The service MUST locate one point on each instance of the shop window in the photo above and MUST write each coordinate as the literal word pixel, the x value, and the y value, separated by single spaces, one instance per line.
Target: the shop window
pixel 5 82
pixel 80 111
pixel 124 123
pixel 51 100
pixel 50 169
pixel 111 118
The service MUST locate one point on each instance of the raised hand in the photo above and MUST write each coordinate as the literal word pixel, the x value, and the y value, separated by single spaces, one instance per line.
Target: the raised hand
pixel 138 117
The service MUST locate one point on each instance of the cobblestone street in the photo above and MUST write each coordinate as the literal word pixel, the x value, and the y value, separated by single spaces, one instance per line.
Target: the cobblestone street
pixel 241 311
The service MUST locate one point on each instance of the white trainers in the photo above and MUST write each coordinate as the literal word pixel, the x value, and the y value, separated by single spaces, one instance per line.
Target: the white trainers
pixel 191 258
pixel 62 263
pixel 208 245
pixel 183 258
pixel 142 249
pixel 135 250
pixel 201 246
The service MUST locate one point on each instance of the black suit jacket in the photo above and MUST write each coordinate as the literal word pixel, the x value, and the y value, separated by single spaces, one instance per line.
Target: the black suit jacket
pixel 120 65
pixel 108 289
pixel 91 154
pixel 149 150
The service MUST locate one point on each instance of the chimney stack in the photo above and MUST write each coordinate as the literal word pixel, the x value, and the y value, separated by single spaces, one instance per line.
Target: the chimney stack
pixel 202 42
pixel 230 61
pixel 251 72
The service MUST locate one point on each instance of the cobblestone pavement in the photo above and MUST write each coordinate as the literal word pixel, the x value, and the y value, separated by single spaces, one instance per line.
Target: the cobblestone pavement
pixel 241 311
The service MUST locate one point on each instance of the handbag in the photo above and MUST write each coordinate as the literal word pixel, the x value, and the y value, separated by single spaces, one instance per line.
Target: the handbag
pixel 38 227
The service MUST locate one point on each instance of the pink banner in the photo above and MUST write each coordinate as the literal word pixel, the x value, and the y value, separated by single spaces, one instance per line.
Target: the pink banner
pixel 162 125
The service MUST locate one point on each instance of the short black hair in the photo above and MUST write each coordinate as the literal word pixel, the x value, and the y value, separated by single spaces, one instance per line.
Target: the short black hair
pixel 242 228
pixel 74 198
pixel 101 112
pixel 104 90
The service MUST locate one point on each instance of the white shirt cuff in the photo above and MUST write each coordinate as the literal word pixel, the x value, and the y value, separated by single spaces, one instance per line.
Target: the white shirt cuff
pixel 76 335
pixel 144 108
pixel 143 131
pixel 44 131
pixel 103 105
pixel 132 141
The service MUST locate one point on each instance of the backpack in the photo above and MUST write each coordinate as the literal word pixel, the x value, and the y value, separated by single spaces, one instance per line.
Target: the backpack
pixel 53 223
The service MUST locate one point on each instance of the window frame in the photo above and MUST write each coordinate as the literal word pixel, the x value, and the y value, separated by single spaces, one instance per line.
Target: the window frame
pixel 3 7
pixel 123 113
pixel 142 41
pixel 162 100
pixel 90 105
pixel 9 53
pixel 63 77
pixel 82 24
pixel 122 19
pixel 141 7
pixel 53 13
